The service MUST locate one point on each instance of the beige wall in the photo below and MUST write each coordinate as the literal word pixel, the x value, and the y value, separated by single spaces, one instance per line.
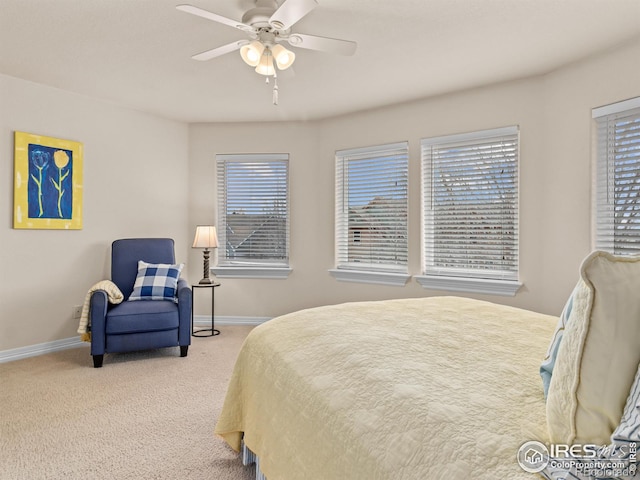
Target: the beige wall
pixel 135 184
pixel 149 176
pixel 554 115
pixel 312 191
pixel 311 181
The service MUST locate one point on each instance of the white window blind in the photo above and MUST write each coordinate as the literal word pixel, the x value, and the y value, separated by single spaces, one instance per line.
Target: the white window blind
pixel 371 208
pixel 617 183
pixel 470 205
pixel 253 209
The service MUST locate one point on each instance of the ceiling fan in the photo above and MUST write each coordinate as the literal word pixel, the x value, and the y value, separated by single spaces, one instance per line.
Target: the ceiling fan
pixel 268 26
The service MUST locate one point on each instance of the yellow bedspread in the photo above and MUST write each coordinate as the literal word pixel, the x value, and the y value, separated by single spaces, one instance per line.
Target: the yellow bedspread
pixel 424 389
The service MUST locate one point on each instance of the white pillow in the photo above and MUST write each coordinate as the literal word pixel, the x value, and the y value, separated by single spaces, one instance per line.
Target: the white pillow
pixel 621 454
pixel 599 353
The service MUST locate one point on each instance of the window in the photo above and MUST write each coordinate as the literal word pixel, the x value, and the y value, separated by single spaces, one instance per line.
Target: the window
pixel 617 189
pixel 253 215
pixel 371 214
pixel 470 212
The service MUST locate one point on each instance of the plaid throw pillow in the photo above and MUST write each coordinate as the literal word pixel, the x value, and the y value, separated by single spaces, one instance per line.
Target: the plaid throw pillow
pixel 156 281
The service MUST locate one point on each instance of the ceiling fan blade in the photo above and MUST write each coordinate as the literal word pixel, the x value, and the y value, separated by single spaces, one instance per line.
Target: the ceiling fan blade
pixel 217 52
pixel 323 44
pixel 214 16
pixel 290 12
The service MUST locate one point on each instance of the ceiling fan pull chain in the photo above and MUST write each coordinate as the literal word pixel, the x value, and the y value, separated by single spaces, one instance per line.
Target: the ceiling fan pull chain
pixel 275 90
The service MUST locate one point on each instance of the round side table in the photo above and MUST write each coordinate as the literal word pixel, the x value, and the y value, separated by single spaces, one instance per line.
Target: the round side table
pixel 203 332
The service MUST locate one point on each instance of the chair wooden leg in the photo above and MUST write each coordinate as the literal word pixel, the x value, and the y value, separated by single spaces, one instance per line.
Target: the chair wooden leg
pixel 97 361
pixel 183 350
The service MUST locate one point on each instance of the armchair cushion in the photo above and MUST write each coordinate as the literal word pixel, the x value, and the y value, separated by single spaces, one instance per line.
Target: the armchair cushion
pixel 156 281
pixel 135 317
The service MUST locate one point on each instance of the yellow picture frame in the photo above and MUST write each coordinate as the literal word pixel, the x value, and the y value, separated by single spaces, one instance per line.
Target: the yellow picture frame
pixel 48 188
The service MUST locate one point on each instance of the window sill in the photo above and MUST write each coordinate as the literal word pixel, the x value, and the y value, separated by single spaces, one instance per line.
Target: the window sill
pixel 378 278
pixel 251 272
pixel 506 288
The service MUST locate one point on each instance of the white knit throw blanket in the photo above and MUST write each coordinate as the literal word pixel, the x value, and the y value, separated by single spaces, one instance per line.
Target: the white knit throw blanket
pixel 114 296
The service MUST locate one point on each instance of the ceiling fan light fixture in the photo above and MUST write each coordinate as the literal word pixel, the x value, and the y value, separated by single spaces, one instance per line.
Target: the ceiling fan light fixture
pixel 284 58
pixel 265 67
pixel 252 53
pixel 267 24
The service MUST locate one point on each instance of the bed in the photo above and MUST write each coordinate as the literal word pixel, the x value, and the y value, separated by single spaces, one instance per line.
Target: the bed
pixel 446 388
pixel 429 388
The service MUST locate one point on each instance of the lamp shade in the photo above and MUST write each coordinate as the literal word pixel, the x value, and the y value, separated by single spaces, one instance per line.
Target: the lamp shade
pixel 251 53
pixel 206 237
pixel 284 58
pixel 265 67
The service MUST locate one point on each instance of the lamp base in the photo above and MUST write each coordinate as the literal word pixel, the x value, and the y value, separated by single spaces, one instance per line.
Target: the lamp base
pixel 206 280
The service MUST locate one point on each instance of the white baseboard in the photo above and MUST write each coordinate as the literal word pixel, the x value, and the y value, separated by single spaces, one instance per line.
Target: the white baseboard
pixel 74 342
pixel 41 349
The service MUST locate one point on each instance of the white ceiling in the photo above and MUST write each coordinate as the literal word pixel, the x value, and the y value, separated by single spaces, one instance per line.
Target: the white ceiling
pixel 137 52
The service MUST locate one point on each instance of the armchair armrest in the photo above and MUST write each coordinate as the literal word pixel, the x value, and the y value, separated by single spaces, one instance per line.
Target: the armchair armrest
pixel 184 311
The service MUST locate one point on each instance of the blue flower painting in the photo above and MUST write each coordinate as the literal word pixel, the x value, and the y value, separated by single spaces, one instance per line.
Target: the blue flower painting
pixel 48 182
pixel 50 188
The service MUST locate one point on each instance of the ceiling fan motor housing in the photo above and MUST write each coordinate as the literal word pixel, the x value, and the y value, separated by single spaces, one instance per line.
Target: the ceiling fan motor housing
pixel 259 16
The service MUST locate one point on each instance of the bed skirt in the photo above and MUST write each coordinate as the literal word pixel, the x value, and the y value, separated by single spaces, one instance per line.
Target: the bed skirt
pixel 248 457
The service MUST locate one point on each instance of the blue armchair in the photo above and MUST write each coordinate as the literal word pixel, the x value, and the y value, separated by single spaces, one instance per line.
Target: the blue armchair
pixel 139 325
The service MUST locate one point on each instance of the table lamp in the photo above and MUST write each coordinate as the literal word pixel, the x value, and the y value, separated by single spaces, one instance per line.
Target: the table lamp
pixel 205 238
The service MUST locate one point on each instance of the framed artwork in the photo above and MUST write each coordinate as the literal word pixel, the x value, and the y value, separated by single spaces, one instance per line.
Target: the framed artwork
pixel 47 183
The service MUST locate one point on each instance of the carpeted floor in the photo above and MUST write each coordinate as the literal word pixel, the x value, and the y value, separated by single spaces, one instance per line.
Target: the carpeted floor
pixel 147 415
